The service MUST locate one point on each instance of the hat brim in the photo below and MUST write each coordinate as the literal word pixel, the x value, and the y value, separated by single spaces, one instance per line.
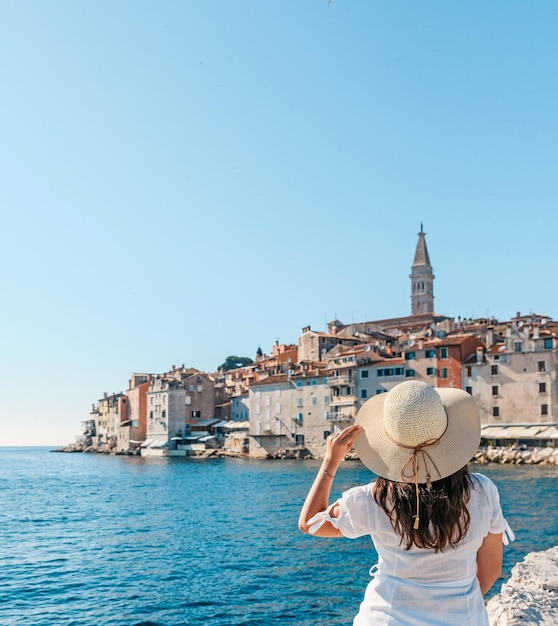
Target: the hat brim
pixel 454 450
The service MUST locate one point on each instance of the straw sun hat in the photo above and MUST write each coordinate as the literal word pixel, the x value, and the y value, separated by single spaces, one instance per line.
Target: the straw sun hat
pixel 416 433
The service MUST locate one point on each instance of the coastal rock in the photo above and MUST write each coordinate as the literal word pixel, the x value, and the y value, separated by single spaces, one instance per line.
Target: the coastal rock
pixel 534 456
pixel 530 596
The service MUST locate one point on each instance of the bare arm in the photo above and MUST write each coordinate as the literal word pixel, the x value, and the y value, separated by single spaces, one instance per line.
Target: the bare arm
pixel 317 500
pixel 489 561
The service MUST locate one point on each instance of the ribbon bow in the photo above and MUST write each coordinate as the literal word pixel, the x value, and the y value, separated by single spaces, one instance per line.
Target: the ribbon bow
pixel 412 463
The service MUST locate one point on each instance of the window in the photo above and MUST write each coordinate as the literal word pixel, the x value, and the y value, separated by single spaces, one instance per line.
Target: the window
pixel 326 415
pixel 493 370
pixel 364 373
pixel 431 371
pixel 364 393
pixel 314 400
pixel 409 356
pixel 444 372
pixel 410 373
pixel 469 390
pixel 542 387
pixel 188 399
pixel 150 414
pixel 299 419
pixel 430 354
pixel 517 346
pixel 495 411
pixel 542 366
pixel 299 440
pixel 390 371
pixel 544 409
pixel 135 423
pixel 494 390
pixel 378 391
pixel 327 433
pixel 468 371
pixel 548 344
pixel 443 353
pixel 326 400
pixel 164 413
pixel 196 414
pixel 299 402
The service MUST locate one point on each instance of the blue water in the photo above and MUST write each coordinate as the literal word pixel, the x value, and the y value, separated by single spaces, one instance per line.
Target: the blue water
pixel 93 539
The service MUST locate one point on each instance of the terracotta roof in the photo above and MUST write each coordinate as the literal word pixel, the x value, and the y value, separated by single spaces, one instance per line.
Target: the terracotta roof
pixel 271 380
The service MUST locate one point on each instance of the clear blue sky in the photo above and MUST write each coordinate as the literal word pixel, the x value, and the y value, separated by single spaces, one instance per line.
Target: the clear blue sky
pixel 184 180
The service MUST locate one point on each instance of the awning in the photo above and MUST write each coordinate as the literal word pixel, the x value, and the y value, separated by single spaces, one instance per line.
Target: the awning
pixel 221 424
pixel 146 443
pixel 520 431
pixel 204 439
pixel 159 443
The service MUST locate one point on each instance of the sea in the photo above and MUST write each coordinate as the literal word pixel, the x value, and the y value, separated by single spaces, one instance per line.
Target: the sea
pixel 115 540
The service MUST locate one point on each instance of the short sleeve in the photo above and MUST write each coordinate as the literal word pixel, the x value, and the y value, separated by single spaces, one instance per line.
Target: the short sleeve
pixel 354 512
pixel 498 523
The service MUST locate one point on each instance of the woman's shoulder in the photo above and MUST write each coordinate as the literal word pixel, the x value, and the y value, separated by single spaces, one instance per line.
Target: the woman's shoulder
pixel 483 484
pixel 360 497
pixel 359 491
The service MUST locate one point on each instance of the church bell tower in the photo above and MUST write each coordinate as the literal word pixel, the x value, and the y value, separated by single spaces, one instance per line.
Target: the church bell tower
pixel 422 279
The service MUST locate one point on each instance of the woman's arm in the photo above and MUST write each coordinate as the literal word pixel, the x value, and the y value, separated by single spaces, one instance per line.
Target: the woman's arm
pixel 338 445
pixel 489 561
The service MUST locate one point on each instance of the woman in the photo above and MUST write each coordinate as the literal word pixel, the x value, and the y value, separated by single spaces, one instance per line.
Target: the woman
pixel 437 529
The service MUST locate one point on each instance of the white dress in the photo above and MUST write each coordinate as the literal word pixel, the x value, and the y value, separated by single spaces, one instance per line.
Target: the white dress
pixel 420 587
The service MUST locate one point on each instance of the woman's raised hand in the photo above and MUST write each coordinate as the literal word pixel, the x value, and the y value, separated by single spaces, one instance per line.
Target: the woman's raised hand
pixel 339 444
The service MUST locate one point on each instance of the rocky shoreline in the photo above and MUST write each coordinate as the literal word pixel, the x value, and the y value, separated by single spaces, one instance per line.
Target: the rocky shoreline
pixel 501 455
pixel 531 456
pixel 530 596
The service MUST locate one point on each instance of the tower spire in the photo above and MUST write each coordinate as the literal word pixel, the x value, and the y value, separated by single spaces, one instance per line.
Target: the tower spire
pixel 422 278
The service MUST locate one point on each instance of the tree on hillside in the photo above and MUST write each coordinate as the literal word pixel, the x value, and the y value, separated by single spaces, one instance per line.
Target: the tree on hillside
pixel 232 362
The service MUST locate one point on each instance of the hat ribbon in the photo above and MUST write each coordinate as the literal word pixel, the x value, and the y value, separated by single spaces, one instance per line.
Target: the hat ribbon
pixel 413 463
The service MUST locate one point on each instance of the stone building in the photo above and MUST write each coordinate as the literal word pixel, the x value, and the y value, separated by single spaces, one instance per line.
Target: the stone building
pixel 107 418
pixel 132 431
pixel 166 415
pixel 289 413
pixel 514 381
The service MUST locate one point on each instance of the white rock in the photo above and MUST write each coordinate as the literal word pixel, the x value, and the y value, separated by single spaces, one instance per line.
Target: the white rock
pixel 530 596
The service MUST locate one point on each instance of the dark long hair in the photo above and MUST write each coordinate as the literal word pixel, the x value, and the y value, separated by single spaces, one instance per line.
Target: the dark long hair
pixel 444 518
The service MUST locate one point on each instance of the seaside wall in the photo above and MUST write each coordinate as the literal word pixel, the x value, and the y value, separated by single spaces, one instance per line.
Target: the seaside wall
pixel 530 596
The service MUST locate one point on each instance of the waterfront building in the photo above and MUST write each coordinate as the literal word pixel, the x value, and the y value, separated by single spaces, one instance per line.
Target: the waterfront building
pixel 240 408
pixel 289 413
pixel 107 418
pixel 514 380
pixel 132 431
pixel 166 415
